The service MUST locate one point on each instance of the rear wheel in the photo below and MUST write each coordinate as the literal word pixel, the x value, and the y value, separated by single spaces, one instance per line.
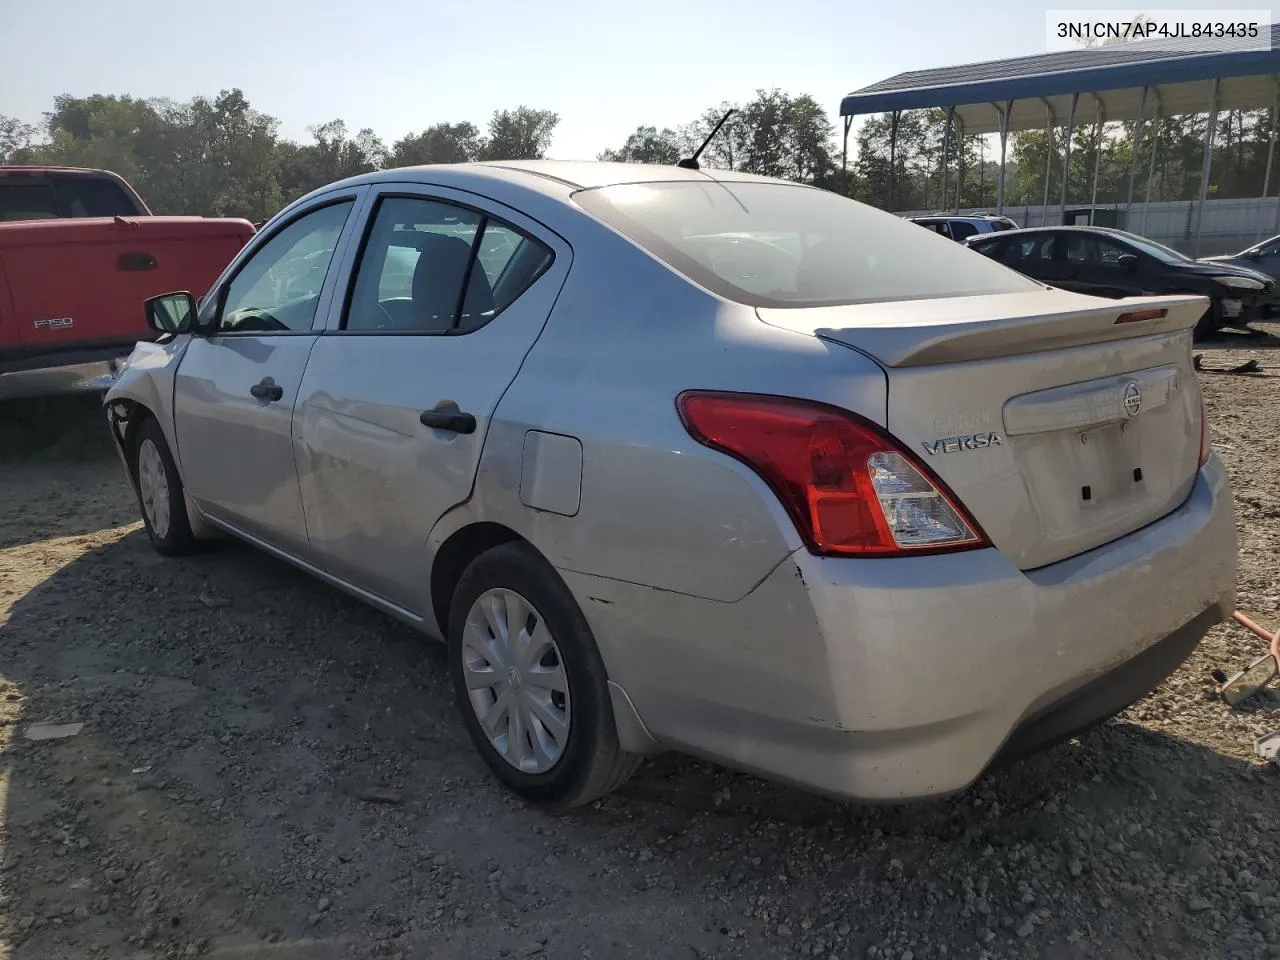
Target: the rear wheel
pixel 530 683
pixel 159 489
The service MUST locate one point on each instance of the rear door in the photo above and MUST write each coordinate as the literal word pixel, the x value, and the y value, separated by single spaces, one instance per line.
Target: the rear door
pixel 400 389
pixel 235 389
pixel 1040 256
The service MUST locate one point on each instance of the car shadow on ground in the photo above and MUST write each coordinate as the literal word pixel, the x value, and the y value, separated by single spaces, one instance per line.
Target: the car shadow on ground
pixel 268 768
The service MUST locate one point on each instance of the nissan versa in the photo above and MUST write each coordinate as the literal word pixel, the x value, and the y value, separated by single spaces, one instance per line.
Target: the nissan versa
pixel 698 461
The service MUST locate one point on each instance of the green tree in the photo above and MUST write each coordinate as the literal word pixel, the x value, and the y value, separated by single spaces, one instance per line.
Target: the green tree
pixel 16 138
pixel 647 145
pixel 440 143
pixel 520 134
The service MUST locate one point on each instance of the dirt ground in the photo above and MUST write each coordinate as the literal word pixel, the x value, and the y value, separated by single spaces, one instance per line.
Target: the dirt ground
pixel 268 769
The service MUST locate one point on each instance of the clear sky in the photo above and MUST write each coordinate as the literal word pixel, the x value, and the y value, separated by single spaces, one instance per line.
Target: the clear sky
pixel 398 66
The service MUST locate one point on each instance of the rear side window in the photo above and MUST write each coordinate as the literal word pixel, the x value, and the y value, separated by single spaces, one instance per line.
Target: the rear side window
pixel 421 253
pixel 782 245
pixel 94 197
pixel 27 201
pixel 960 230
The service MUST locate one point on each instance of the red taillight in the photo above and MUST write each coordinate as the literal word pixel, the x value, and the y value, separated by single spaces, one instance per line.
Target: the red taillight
pixel 850 489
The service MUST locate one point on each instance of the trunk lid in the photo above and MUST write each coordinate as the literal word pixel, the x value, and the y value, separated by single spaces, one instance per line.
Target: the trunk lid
pixel 1058 428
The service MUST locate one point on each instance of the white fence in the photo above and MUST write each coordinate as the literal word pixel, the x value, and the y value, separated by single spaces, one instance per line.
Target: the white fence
pixel 1229 225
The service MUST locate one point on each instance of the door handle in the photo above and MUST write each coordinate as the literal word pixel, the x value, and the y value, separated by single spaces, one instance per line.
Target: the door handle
pixel 140 260
pixel 267 390
pixel 445 415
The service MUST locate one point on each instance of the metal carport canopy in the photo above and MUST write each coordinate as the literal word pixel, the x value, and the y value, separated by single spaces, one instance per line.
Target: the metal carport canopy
pixel 1176 72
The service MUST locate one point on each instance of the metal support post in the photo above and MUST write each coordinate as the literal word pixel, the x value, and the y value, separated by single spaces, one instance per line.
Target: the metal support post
pixel 1099 127
pixel 946 155
pixel 1215 87
pixel 1155 147
pixel 1004 151
pixel 1048 161
pixel 1135 144
pixel 844 158
pixel 893 159
pixel 1271 143
pixel 1066 154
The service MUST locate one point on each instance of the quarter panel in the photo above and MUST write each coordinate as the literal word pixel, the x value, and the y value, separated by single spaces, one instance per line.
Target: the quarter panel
pixel 627 336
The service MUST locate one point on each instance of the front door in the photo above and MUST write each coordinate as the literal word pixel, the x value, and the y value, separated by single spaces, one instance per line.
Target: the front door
pixel 399 392
pixel 235 389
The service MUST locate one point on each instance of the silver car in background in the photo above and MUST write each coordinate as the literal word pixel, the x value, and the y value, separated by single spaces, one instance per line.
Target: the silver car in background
pixel 698 461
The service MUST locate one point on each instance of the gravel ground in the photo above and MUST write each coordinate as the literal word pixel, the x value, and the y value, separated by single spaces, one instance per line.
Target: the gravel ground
pixel 268 769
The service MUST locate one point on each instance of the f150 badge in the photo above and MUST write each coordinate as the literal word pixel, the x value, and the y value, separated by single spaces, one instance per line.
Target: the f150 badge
pixel 972 441
pixel 56 323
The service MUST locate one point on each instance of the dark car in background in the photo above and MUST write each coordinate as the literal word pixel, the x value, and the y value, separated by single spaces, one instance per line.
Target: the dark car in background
pixel 960 228
pixel 1112 263
pixel 1264 257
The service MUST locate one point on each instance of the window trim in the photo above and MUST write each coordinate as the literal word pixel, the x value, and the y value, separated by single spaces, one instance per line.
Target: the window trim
pixel 262 240
pixel 431 197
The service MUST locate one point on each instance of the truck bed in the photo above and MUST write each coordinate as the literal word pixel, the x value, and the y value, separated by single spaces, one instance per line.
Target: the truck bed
pixel 72 290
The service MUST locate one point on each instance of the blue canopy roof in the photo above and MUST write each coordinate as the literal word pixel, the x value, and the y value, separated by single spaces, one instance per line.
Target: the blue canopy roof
pixel 1109 78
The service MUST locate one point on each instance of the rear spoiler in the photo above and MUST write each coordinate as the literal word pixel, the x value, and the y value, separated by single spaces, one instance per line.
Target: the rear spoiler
pixel 924 332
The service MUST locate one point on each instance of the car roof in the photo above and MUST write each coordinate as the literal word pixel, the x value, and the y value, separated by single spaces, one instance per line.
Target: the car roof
pixel 1063 228
pixel 27 169
pixel 961 216
pixel 573 174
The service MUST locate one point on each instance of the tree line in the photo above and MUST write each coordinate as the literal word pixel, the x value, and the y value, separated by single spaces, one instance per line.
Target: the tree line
pixel 221 157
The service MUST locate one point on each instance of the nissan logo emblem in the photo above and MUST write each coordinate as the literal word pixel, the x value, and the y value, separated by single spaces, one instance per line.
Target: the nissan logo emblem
pixel 1132 399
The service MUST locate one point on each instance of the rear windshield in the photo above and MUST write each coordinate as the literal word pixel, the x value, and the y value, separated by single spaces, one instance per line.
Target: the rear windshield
pixel 48 197
pixel 27 201
pixel 779 245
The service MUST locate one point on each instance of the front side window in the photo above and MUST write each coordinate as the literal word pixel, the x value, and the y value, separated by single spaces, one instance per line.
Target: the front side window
pixel 278 288
pixel 782 245
pixel 1110 254
pixel 421 254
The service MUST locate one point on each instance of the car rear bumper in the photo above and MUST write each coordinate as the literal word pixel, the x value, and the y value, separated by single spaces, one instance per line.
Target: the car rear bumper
pixel 903 679
pixel 62 374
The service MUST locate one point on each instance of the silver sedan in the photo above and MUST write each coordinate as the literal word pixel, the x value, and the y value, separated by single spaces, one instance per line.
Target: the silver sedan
pixel 698 461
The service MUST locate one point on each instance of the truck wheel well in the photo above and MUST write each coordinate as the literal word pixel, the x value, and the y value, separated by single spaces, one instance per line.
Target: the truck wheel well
pixel 455 555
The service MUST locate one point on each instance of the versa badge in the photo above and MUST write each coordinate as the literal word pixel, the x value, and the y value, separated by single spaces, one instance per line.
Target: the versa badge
pixel 972 441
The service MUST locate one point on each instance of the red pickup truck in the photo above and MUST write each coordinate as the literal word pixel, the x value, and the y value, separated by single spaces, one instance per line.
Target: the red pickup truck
pixel 79 253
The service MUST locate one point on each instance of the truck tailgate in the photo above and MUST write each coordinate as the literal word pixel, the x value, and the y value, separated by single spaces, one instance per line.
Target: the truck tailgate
pixel 81 282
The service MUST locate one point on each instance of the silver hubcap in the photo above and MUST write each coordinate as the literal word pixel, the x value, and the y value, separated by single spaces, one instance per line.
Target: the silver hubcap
pixel 516 681
pixel 153 486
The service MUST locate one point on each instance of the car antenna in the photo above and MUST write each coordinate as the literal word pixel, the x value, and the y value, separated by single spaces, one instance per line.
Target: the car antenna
pixel 691 163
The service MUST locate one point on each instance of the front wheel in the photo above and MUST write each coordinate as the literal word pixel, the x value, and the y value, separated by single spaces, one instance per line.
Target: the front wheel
pixel 159 489
pixel 530 683
pixel 1209 324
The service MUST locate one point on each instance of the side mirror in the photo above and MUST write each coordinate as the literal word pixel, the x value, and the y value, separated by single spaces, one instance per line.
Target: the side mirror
pixel 1253 254
pixel 171 313
pixel 1250 680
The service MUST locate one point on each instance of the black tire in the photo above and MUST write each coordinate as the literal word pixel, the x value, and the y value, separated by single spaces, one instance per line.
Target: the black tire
pixel 1209 324
pixel 592 763
pixel 176 539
